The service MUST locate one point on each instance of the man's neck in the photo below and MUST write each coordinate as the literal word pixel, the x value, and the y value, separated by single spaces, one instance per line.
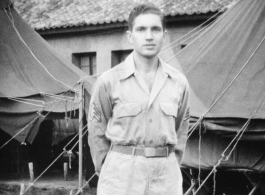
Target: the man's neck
pixel 145 65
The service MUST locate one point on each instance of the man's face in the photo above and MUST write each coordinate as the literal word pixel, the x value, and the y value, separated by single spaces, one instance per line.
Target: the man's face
pixel 147 35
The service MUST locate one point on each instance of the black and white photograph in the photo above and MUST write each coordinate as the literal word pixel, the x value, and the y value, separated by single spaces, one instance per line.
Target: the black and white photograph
pixel 132 97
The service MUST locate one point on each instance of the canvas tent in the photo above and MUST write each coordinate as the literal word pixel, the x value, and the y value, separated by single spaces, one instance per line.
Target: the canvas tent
pixel 225 67
pixel 35 79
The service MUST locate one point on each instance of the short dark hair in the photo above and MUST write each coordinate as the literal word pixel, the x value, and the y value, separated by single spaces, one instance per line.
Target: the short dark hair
pixel 145 8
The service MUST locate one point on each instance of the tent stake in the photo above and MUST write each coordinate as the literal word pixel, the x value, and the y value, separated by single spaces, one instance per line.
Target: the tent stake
pixel 65 171
pixel 31 171
pixel 81 103
pixel 22 189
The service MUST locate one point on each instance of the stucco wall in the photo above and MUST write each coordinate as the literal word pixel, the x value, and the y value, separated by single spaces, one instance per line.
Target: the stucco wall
pixel 104 42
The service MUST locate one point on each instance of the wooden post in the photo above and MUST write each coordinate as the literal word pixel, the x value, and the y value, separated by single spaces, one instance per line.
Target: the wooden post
pixel 65 171
pixel 81 105
pixel 22 189
pixel 31 171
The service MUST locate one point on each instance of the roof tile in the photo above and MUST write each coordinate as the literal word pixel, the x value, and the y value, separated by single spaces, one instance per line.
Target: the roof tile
pixel 45 14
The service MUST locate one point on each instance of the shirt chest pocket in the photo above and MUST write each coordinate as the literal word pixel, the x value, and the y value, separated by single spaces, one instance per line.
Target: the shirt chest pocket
pixel 126 115
pixel 167 122
pixel 169 109
pixel 128 110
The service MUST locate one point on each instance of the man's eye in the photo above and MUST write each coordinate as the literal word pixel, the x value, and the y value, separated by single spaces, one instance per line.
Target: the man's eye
pixel 157 29
pixel 141 29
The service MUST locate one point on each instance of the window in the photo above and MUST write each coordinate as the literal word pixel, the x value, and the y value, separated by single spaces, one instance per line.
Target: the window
pixel 86 62
pixel 119 56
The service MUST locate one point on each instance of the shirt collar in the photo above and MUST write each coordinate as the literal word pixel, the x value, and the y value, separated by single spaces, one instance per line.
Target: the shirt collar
pixel 129 67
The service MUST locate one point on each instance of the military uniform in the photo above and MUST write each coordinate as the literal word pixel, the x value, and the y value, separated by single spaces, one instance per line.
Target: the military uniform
pixel 137 137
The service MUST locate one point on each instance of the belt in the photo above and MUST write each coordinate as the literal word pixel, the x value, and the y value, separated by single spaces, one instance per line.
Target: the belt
pixel 147 152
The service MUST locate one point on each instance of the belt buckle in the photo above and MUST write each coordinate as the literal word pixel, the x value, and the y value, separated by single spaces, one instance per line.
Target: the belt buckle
pixel 150 152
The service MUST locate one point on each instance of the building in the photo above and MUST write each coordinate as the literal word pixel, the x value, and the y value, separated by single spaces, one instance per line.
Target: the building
pixel 92 34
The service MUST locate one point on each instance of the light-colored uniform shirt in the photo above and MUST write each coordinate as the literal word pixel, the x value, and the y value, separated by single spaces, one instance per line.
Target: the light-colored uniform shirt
pixel 123 111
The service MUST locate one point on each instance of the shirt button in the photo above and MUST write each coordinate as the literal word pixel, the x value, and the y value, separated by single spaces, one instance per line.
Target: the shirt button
pixel 151 142
pixel 150 120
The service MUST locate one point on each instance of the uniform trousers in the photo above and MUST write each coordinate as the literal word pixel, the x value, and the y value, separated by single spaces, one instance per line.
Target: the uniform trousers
pixel 123 174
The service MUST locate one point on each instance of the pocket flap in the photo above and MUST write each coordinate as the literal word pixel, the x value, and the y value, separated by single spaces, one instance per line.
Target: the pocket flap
pixel 169 109
pixel 129 109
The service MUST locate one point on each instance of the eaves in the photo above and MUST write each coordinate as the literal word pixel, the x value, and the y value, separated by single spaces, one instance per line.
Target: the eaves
pixel 91 29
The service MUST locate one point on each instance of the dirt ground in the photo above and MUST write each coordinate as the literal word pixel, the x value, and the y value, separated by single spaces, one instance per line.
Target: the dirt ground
pixel 52 184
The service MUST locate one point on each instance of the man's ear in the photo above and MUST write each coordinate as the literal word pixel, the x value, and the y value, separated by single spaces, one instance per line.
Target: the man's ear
pixel 165 33
pixel 129 36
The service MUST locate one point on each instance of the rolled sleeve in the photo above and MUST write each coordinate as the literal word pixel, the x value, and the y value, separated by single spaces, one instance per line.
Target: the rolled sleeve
pixel 182 124
pixel 99 114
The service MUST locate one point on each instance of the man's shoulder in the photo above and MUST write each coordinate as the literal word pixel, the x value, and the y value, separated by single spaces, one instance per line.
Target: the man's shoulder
pixel 113 73
pixel 175 73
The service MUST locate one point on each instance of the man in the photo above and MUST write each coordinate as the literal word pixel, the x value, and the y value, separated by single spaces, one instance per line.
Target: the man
pixel 138 118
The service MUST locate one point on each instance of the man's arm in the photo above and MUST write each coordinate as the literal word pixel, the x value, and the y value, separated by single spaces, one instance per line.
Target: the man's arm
pixel 182 124
pixel 100 110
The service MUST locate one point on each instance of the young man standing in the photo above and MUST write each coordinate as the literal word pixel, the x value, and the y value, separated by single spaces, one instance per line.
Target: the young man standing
pixel 138 118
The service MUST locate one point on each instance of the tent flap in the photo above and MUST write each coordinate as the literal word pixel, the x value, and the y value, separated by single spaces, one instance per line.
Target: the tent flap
pixel 35 79
pixel 213 146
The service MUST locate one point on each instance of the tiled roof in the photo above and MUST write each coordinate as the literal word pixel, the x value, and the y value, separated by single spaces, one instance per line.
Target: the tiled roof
pixel 47 14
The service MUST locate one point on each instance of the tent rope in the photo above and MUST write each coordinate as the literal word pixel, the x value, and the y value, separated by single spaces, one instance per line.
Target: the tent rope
pixel 214 168
pixel 26 99
pixel 193 127
pixel 82 136
pixel 80 190
pixel 22 40
pixel 183 41
pixel 237 138
pixel 218 19
pixel 25 102
pixel 200 142
pixel 231 67
pixel 245 127
pixel 32 183
pixel 212 17
pixel 196 124
pixel 212 171
pixel 62 97
pixel 235 77
pixel 13 137
pixel 39 114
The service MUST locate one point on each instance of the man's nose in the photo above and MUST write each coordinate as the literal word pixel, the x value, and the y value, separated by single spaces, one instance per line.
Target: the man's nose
pixel 149 35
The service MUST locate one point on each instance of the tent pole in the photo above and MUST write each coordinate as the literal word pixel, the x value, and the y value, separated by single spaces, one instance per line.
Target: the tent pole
pixel 81 103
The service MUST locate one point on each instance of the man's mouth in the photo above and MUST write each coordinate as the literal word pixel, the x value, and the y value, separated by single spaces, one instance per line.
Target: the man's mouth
pixel 149 45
